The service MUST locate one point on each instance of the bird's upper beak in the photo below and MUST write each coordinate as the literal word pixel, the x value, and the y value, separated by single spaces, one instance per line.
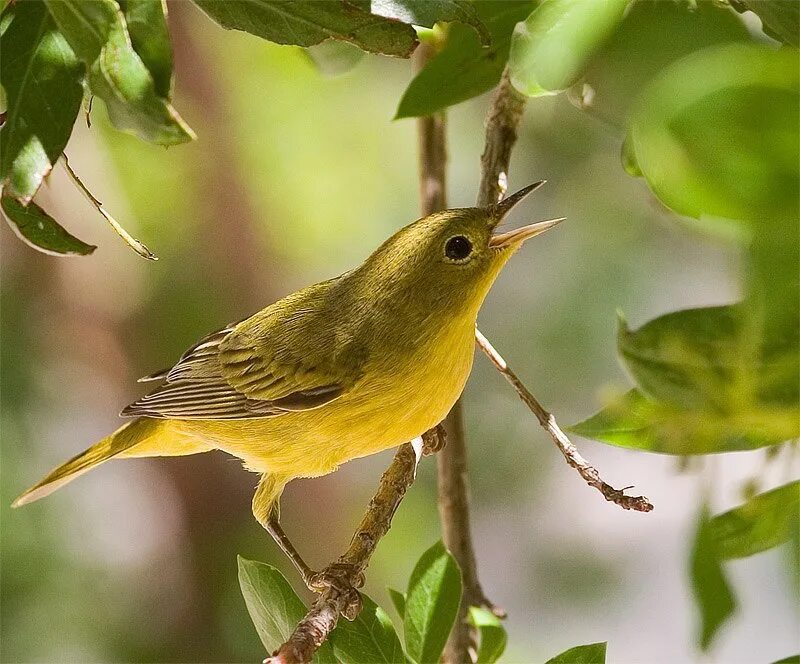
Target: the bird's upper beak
pixel 499 210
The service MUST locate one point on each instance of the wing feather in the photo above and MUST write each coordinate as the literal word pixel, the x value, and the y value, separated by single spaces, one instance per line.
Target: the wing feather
pixel 274 362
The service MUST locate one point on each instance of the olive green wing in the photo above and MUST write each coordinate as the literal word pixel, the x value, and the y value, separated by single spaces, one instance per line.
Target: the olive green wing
pixel 291 356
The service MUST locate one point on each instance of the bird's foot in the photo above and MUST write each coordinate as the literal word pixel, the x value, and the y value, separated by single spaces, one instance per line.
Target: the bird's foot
pixel 345 579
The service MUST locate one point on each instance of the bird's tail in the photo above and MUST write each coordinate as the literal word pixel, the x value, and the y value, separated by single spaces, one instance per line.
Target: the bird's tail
pixel 140 437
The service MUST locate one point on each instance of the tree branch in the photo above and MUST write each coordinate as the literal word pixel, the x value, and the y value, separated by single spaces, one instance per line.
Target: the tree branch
pixel 586 470
pixel 341 597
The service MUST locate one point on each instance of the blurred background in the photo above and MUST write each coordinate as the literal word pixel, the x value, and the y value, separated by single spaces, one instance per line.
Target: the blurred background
pixel 294 179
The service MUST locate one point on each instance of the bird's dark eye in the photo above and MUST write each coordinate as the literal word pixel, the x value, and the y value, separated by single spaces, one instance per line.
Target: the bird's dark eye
pixel 458 248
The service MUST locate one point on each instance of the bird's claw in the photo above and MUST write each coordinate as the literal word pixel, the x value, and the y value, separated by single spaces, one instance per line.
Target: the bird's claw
pixel 345 580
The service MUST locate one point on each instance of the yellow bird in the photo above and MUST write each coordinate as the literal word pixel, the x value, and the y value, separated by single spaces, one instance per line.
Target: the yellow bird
pixel 339 370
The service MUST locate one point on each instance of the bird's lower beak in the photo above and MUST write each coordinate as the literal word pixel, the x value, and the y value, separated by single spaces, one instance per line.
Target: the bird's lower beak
pixel 519 235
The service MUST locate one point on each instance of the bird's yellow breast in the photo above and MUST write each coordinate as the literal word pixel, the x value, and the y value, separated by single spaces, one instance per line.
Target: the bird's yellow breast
pixel 398 399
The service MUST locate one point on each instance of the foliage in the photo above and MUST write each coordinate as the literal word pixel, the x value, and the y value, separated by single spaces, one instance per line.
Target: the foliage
pixel 592 653
pixel 710 126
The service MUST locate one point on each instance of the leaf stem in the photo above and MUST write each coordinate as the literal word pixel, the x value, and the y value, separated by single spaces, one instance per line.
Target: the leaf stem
pixel 131 241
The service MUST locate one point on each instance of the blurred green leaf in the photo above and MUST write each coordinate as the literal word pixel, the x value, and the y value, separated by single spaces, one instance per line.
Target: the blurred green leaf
pixel 716 134
pixel 38 229
pixel 712 592
pixel 147 25
pixel 550 50
pixel 763 522
pixel 792 659
pixel 371 637
pixel 593 653
pixel 492 634
pixel 429 12
pixel 703 359
pixel 780 19
pixel 773 304
pixel 432 600
pixel 42 80
pixel 464 69
pixel 399 602
pixel 313 21
pixel 96 32
pixel 651 36
pixel 636 422
pixel 273 605
pixel 333 58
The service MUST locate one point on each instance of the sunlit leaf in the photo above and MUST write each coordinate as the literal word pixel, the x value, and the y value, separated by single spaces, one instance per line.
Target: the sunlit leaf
pixel 313 21
pixel 593 653
pixel 42 80
pixel 651 36
pixel 464 68
pixel 779 18
pixel 491 634
pixel 763 522
pixel 273 605
pixel 429 12
pixel 550 50
pixel 147 26
pixel 38 229
pixel 713 594
pixel 636 422
pixel 716 134
pixel 371 637
pixel 97 33
pixel 432 600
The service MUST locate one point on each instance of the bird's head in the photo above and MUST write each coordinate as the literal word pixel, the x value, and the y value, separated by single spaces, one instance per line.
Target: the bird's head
pixel 450 259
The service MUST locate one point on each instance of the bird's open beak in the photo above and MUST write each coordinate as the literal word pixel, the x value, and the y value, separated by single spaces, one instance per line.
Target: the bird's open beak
pixel 518 235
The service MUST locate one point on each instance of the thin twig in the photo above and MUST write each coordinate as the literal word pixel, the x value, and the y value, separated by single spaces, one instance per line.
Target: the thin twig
pixel 586 470
pixel 131 241
pixel 341 597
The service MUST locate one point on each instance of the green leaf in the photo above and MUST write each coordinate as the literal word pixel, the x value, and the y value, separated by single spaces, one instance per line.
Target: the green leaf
pixel 651 36
pixel 550 50
pixel 97 33
pixel 704 359
pixel 274 607
pixel 464 69
pixel 313 21
pixel 432 600
pixel 712 592
pixel 42 80
pixel 399 602
pixel 493 637
pixel 763 522
pixel 593 653
pixel 371 637
pixel 792 659
pixel 716 134
pixel 333 58
pixel 429 12
pixel 635 422
pixel 38 229
pixel 147 26
pixel 779 18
